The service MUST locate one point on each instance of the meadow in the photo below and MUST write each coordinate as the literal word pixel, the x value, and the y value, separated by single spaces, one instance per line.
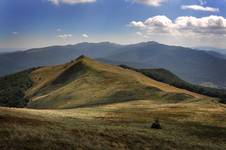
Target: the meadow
pixel 198 124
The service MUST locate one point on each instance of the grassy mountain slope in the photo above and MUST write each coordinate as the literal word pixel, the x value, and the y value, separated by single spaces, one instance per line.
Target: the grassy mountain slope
pixel 166 76
pixel 185 126
pixel 85 82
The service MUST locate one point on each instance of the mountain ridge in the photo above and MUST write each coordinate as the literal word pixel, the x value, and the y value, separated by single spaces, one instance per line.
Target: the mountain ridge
pixel 191 65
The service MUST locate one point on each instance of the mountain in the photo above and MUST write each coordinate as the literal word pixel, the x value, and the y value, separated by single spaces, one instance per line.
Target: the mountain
pixel 7 50
pixel 213 49
pixel 217 54
pixel 17 61
pixel 191 65
pixel 199 67
pixel 84 82
pixel 168 77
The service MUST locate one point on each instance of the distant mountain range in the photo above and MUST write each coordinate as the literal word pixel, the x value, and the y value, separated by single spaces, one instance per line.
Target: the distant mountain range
pixel 7 50
pixel 192 65
pixel 17 61
pixel 218 50
pixel 217 54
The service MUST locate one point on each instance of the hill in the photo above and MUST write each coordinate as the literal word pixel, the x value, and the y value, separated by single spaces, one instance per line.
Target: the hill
pixel 166 76
pixel 132 101
pixel 84 82
pixel 199 67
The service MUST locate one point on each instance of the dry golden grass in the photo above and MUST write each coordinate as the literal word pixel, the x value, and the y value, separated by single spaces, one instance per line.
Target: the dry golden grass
pixel 130 102
pixel 87 82
pixel 199 124
pixel 44 76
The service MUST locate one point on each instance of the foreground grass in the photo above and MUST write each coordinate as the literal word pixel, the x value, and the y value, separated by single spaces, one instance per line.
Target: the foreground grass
pixel 191 125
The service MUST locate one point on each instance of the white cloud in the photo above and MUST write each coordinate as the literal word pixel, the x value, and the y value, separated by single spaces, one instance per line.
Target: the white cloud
pixel 184 25
pixel 154 3
pixel 188 31
pixel 85 36
pixel 64 36
pixel 199 8
pixel 161 21
pixel 138 24
pixel 71 2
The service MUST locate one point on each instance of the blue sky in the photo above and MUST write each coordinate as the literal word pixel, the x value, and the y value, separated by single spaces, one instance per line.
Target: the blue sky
pixel 38 23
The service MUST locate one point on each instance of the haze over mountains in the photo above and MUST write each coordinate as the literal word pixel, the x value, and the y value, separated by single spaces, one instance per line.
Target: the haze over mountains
pixel 218 50
pixel 195 66
pixel 7 50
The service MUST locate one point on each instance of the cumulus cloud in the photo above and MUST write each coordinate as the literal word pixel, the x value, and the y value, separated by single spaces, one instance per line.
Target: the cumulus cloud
pixel 150 2
pixel 199 8
pixel 160 21
pixel 85 36
pixel 64 36
pixel 210 25
pixel 137 24
pixel 71 2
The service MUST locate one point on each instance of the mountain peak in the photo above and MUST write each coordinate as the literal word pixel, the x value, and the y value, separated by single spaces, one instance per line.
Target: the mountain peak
pixel 83 62
pixel 82 57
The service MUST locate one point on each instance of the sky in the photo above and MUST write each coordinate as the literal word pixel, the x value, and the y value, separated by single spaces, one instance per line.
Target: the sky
pixel 28 24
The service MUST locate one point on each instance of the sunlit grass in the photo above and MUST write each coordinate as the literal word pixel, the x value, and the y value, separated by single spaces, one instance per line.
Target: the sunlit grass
pixel 195 125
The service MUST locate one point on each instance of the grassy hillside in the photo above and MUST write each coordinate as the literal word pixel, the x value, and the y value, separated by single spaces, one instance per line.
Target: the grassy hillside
pixel 85 82
pixel 166 76
pixel 132 102
pixel 199 125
